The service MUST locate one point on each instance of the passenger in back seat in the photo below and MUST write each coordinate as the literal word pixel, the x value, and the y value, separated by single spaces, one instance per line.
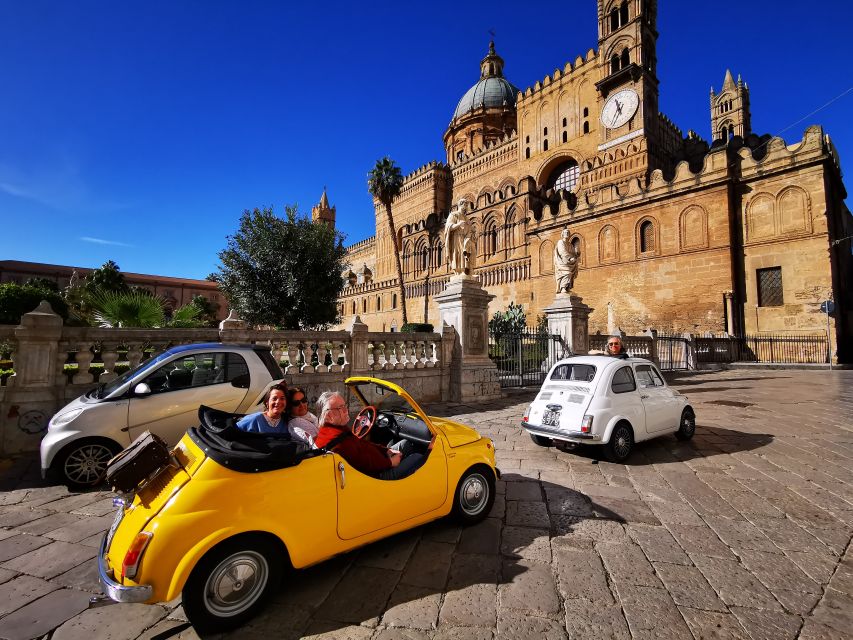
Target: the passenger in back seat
pixel 272 420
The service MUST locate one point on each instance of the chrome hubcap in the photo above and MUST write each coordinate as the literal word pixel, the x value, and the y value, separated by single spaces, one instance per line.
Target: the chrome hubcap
pixel 87 464
pixel 473 494
pixel 623 443
pixel 236 583
pixel 688 425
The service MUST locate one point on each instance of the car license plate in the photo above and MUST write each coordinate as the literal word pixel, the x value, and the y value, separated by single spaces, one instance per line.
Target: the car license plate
pixel 551 418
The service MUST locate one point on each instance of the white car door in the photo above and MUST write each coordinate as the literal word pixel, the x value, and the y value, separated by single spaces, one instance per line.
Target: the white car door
pixel 658 399
pixel 177 389
pixel 625 400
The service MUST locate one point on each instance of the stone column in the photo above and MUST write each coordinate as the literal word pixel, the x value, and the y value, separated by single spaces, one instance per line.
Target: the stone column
pixel 31 396
pixel 464 305
pixel 568 317
pixel 730 312
pixel 358 348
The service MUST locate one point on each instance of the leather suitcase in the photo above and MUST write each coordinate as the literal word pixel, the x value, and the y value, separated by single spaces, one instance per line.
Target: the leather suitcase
pixel 145 456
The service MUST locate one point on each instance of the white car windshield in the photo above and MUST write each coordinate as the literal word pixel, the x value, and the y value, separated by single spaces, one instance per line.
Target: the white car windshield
pixel 106 389
pixel 573 371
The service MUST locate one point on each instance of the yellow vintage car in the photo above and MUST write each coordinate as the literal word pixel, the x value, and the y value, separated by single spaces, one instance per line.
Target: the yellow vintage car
pixel 221 523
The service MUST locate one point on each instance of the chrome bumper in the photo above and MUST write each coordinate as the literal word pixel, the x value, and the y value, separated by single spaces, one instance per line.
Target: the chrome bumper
pixel 115 591
pixel 555 433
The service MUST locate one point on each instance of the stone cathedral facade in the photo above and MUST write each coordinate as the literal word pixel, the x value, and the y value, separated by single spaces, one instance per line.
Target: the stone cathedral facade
pixel 734 233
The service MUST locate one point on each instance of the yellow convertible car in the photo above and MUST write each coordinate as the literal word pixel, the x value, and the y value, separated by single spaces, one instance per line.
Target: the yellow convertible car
pixel 221 521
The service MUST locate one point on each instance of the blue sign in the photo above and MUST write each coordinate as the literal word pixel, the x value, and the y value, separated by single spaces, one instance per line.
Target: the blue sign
pixel 827 307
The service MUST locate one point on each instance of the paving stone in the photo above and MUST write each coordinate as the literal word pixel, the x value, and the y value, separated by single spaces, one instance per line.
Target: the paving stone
pixel 102 507
pixel 22 590
pixel 429 565
pixel 701 541
pixel 19 545
pixel 836 538
pixel 517 626
pixel 524 542
pixel 713 625
pixel 462 633
pixel 51 560
pixel 310 587
pixel 330 630
pixel 82 529
pixel 752 505
pixel 524 491
pixel 568 502
pixel 650 612
pixel 658 544
pixel 6 575
pixel 171 629
pixel 282 621
pixel 83 577
pixel 413 607
pixel 472 606
pixel 47 613
pixel 78 500
pixel 361 595
pixel 734 584
pixel 778 572
pixel 688 587
pixel 401 634
pixel 390 553
pixel 596 529
pixel 484 537
pixel 16 516
pixel 813 630
pixel 48 523
pixel 44 495
pixel 797 602
pixel 527 514
pixel 787 534
pixel 623 510
pixel 580 574
pixel 740 534
pixel 531 589
pixel 674 513
pixel 444 530
pixel 835 610
pixel 625 563
pixel 768 625
pixel 818 566
pixel 593 620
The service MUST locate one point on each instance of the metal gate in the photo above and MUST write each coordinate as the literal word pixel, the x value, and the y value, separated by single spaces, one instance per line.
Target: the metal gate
pixel 523 359
pixel 673 352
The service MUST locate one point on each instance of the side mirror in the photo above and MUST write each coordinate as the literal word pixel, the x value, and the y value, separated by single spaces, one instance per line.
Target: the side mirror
pixel 142 389
pixel 241 381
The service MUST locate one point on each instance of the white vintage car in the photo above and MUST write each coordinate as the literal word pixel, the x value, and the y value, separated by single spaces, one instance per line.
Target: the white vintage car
pixel 613 402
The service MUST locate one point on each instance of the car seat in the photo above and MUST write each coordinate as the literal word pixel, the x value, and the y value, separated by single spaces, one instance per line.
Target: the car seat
pixel 180 378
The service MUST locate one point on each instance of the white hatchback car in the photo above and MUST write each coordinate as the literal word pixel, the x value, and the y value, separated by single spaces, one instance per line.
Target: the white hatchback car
pixel 607 401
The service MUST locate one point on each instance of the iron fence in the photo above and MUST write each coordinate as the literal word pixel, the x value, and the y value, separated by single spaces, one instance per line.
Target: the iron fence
pixel 523 359
pixel 788 348
pixel 673 351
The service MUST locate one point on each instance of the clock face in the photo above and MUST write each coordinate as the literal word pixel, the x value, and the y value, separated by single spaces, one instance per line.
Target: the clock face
pixel 619 108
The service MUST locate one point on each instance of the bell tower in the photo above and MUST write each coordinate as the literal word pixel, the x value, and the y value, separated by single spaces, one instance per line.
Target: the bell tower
pixel 730 109
pixel 322 212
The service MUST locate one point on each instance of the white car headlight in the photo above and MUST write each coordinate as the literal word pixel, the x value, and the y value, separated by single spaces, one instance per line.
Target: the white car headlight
pixel 65 418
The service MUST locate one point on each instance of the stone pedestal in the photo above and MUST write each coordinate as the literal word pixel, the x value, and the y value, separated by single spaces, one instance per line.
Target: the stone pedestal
pixel 568 317
pixel 464 305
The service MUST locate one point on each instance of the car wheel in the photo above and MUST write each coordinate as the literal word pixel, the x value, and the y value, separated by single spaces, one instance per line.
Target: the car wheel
pixel 687 426
pixel 232 583
pixel 621 443
pixel 83 464
pixel 475 495
pixel 542 441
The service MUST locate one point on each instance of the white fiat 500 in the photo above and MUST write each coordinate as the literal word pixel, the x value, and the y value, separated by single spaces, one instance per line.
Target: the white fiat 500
pixel 612 402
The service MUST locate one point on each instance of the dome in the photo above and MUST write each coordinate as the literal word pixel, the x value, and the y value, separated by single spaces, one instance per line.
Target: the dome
pixel 492 90
pixel 488 92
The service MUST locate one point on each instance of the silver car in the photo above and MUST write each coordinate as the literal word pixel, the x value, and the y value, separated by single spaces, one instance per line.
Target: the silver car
pixel 161 395
pixel 608 401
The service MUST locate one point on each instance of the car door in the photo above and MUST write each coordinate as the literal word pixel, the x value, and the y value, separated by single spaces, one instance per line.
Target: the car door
pixel 662 407
pixel 177 389
pixel 626 401
pixel 367 504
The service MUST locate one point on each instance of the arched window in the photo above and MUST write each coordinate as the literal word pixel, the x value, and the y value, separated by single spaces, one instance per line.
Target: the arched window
pixel 565 122
pixel 614 64
pixel 623 14
pixel 424 259
pixel 626 58
pixel 614 20
pixel 545 145
pixel 438 260
pixel 647 237
pixel 379 303
pixel 576 245
pixel 565 176
pixel 723 133
pixel 565 136
pixel 731 131
pixel 364 305
pixel 545 131
pixel 586 112
pixel 353 307
pixel 527 152
pixel 394 301
pixel 527 139
pixel 586 127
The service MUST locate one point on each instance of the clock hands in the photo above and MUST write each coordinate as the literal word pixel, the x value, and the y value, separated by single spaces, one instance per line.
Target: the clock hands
pixel 618 111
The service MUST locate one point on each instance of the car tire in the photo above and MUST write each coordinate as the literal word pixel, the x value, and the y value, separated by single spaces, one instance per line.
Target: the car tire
pixel 83 463
pixel 621 443
pixel 474 496
pixel 541 440
pixel 687 425
pixel 232 583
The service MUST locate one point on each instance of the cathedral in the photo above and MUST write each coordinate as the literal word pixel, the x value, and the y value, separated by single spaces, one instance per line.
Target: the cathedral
pixel 740 233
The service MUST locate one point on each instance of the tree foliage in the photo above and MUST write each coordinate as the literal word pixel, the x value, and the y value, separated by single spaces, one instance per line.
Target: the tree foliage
pixel 16 300
pixel 131 308
pixel 384 182
pixel 42 283
pixel 106 278
pixel 512 320
pixel 284 272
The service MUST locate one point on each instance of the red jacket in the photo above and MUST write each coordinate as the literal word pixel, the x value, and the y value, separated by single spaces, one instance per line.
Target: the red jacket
pixel 363 455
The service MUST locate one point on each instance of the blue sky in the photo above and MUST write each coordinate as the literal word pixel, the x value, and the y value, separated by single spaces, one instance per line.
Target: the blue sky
pixel 139 132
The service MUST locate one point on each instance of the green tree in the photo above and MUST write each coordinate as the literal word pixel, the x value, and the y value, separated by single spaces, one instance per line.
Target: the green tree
pixel 132 308
pixel 16 300
pixel 512 320
pixel 42 283
pixel 384 183
pixel 284 272
pixel 106 278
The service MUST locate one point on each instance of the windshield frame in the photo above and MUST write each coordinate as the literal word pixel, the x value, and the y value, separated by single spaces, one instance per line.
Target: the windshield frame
pixel 354 385
pixel 107 389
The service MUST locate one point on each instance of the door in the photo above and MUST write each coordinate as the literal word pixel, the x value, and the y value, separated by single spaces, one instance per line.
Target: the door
pixel 626 401
pixel 658 400
pixel 219 380
pixel 366 504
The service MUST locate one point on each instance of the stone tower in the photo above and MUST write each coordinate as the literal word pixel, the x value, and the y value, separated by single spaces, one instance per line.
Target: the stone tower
pixel 322 212
pixel 730 109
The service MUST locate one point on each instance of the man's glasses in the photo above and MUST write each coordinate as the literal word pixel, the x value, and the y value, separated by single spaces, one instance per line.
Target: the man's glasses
pixel 613 344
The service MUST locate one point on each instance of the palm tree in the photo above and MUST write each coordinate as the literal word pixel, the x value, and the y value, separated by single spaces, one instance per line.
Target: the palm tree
pixel 383 183
pixel 133 308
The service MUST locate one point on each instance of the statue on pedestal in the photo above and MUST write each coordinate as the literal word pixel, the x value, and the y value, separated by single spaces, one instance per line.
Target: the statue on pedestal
pixel 459 240
pixel 566 261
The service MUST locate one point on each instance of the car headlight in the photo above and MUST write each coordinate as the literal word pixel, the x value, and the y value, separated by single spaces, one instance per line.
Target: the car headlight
pixel 65 418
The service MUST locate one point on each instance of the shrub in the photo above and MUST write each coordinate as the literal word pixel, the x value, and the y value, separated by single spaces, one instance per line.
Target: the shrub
pixel 16 300
pixel 513 320
pixel 416 327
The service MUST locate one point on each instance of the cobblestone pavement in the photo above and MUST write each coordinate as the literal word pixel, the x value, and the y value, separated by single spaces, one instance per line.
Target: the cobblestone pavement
pixel 744 532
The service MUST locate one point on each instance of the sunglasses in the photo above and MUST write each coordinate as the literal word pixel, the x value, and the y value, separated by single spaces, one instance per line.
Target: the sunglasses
pixel 300 401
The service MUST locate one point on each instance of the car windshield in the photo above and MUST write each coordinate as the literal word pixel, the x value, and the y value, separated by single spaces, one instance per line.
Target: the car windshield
pixel 110 387
pixel 383 398
pixel 573 371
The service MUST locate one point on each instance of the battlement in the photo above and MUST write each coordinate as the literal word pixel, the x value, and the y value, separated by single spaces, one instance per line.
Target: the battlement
pixel 361 244
pixel 490 146
pixel 432 164
pixel 569 69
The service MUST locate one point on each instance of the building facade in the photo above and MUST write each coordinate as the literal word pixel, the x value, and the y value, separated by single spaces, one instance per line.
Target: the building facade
pixel 742 233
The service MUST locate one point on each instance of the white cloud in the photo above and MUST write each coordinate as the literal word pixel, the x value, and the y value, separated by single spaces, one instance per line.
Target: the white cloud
pixel 113 243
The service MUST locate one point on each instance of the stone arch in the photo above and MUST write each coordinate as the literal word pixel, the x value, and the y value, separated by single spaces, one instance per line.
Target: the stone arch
pixel 546 257
pixel 794 209
pixel 421 255
pixel 491 234
pixel 647 237
pixel 546 168
pixel 616 47
pixel 693 228
pixel 407 257
pixel 608 244
pixel 580 246
pixel 760 217
pixel 508 187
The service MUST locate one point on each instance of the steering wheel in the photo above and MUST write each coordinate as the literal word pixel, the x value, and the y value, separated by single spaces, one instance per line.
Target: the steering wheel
pixel 364 421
